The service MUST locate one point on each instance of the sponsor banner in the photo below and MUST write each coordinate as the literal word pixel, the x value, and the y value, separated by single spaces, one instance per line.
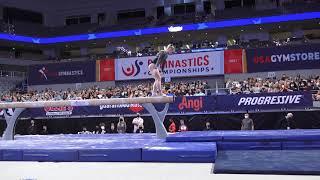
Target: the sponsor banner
pixel 283 58
pixel 186 105
pixel 190 104
pixel 264 101
pixel 105 70
pixel 61 111
pixel 233 61
pixel 60 73
pixel 177 65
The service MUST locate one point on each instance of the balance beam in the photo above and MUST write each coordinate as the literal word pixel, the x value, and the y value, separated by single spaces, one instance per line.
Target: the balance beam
pixel 146 102
pixel 88 102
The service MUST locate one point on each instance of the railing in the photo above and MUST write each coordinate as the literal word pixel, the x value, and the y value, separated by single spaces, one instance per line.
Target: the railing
pixel 4 73
pixel 217 91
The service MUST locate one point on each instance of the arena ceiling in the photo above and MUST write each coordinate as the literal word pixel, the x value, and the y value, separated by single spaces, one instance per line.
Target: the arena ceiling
pixel 45 6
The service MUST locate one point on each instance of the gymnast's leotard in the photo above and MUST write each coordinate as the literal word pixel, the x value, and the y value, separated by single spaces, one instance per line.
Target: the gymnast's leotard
pixel 160 59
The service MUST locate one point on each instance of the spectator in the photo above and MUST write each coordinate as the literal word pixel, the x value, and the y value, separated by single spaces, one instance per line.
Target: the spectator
pixel 84 131
pixel 96 130
pixel 283 84
pixel 196 88
pixel 137 123
pixel 121 126
pixel 199 92
pixel 208 127
pixel 182 126
pixel 293 87
pixel 44 130
pixel 172 127
pixel 102 128
pixel 247 123
pixel 288 122
pixel 32 129
pixel 316 97
pixel 140 129
pixel 112 129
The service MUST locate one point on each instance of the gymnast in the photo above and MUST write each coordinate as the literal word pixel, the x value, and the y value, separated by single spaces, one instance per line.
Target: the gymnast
pixel 159 62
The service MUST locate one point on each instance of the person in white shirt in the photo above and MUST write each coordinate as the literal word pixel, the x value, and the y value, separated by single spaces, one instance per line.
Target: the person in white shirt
pixel 137 123
pixel 183 126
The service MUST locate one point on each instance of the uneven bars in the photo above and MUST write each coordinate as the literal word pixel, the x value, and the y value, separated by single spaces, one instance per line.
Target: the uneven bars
pixel 88 102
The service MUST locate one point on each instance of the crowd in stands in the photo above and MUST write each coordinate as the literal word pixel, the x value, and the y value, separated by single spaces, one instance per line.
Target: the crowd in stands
pixel 205 45
pixel 196 88
pixel 274 85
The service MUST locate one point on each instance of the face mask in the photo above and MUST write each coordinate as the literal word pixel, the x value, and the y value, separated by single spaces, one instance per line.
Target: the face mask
pixel 246 116
pixel 102 127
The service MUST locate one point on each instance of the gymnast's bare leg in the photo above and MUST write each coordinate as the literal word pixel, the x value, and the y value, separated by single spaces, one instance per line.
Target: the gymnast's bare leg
pixel 156 88
pixel 159 62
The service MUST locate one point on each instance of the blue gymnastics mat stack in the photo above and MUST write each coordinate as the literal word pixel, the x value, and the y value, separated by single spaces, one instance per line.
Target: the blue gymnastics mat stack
pixel 105 148
pixel 261 152
pixel 219 147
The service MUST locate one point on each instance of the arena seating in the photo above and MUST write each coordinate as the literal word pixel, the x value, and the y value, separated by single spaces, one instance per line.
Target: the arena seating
pixel 276 84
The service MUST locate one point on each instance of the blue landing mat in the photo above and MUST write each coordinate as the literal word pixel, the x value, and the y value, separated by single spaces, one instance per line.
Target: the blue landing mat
pixel 246 136
pixel 301 162
pixel 301 145
pixel 181 152
pixel 249 145
pixel 104 148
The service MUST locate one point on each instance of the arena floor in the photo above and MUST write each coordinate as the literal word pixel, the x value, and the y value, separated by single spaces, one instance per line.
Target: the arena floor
pixel 98 171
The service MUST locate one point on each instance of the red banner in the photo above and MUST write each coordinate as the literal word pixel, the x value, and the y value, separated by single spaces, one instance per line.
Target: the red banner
pixel 105 70
pixel 233 61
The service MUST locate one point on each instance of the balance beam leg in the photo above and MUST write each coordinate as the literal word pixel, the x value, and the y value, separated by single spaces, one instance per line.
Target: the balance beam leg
pixel 158 118
pixel 11 122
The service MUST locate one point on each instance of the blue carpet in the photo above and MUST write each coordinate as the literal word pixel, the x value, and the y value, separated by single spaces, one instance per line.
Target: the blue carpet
pixel 300 162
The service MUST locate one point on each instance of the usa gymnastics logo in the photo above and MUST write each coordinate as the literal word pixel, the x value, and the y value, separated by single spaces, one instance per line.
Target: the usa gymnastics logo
pixel 133 70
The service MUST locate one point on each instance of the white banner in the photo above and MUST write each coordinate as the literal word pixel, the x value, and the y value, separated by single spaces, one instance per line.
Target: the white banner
pixel 177 65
